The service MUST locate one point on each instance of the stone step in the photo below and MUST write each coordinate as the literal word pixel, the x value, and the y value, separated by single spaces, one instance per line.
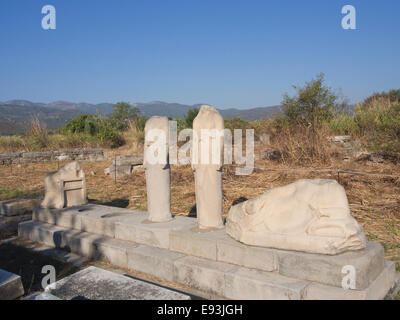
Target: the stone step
pixel 10 286
pixel 213 278
pixel 18 207
pixel 182 236
pixel 118 223
pixel 378 289
pixel 95 283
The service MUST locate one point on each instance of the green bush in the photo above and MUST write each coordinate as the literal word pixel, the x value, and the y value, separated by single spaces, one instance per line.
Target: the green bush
pixel 379 122
pixel 236 123
pixel 313 105
pixel 180 123
pixel 140 123
pixel 106 131
pixel 344 124
pixel 124 113
pixel 191 114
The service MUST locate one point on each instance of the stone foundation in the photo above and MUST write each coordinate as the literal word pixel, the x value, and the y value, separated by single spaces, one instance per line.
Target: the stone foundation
pixel 63 155
pixel 210 262
pixel 10 286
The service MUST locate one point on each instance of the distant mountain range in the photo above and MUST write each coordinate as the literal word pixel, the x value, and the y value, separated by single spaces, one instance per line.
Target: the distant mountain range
pixel 15 115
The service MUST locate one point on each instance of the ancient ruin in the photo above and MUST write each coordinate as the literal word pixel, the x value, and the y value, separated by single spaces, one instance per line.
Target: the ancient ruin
pixel 65 187
pixel 307 215
pixel 156 164
pixel 293 242
pixel 123 166
pixel 207 129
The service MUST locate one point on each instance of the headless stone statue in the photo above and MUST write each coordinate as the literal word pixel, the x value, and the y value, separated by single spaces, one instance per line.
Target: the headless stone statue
pixel 156 164
pixel 208 174
pixel 307 215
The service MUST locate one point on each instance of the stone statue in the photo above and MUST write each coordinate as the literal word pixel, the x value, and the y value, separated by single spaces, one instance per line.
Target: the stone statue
pixel 207 160
pixel 307 215
pixel 156 164
pixel 65 187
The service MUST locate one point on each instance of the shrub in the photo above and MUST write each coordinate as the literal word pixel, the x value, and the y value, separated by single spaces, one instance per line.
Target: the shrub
pixel 37 135
pixel 12 143
pixel 191 114
pixel 344 124
pixel 308 112
pixel 312 105
pixel 104 130
pixel 86 123
pixel 378 119
pixel 124 112
pixel 236 123
pixel 180 123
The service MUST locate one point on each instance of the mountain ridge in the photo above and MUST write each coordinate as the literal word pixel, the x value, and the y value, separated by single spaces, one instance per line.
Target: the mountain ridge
pixel 57 113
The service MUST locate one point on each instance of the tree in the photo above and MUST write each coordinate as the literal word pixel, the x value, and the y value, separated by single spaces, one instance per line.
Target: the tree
pixel 306 112
pixel 392 96
pixel 191 114
pixel 124 112
pixel 313 104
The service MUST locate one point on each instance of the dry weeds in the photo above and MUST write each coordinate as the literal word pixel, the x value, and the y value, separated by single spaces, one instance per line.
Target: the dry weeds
pixel 374 201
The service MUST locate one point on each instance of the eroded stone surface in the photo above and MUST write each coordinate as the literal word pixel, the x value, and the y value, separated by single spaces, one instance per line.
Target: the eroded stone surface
pixel 18 207
pixel 258 285
pixel 65 187
pixel 154 261
pixel 307 215
pixel 182 235
pixel 156 163
pixel 222 279
pixel 378 289
pixel 202 274
pixel 10 286
pixel 207 172
pixel 123 166
pixel 98 284
pixel 194 242
pixel 327 269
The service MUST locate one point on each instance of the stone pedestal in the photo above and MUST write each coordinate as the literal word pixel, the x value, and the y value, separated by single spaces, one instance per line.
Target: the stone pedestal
pixel 209 261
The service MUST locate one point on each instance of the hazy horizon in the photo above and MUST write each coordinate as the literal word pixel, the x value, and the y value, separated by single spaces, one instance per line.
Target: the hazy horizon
pixel 137 102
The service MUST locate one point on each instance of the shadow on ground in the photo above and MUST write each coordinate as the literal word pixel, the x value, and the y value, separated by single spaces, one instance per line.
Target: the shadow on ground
pixel 120 203
pixel 29 264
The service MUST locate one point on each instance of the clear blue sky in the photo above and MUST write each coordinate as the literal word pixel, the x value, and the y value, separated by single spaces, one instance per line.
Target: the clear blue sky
pixel 227 53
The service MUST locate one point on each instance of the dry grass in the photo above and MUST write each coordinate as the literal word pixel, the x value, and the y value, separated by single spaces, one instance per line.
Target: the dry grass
pixel 374 201
pixel 134 139
pixel 301 145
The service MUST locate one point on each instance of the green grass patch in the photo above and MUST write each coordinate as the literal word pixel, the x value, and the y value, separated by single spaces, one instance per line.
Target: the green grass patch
pixel 8 194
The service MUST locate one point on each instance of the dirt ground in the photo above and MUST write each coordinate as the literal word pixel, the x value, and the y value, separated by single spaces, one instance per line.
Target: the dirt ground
pixel 374 201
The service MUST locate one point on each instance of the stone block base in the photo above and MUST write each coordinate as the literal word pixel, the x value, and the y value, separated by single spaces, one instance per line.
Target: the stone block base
pixel 10 286
pixel 209 261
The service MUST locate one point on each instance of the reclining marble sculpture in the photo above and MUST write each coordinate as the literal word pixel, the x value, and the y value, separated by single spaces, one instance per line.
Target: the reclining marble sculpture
pixel 208 174
pixel 307 215
pixel 65 187
pixel 156 164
